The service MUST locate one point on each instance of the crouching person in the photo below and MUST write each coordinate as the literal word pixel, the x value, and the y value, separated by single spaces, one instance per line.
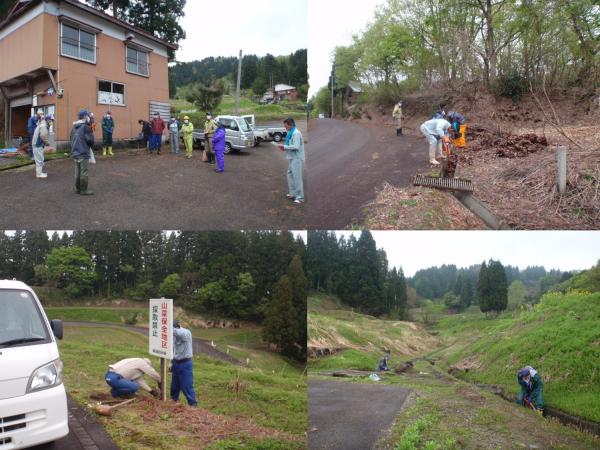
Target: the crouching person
pixel 532 388
pixel 126 377
pixel 82 140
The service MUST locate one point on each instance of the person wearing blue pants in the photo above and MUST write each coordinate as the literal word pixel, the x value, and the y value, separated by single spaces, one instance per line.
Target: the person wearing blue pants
pixel 218 145
pixel 126 377
pixel 182 368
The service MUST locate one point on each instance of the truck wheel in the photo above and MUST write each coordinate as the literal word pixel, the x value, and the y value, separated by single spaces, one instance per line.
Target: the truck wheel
pixel 277 137
pixel 227 148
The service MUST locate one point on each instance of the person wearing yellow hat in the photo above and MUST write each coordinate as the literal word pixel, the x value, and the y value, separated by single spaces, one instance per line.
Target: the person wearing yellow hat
pixel 186 130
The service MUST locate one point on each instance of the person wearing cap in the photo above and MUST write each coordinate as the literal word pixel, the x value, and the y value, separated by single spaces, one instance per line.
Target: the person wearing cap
pixel 532 388
pixel 436 131
pixel 31 126
pixel 187 130
pixel 397 114
pixel 158 126
pixel 182 368
pixel 82 140
pixel 108 127
pixel 174 135
pixel 383 364
pixel 210 127
pixel 218 143
pixel 40 140
pixel 126 377
pixel 294 152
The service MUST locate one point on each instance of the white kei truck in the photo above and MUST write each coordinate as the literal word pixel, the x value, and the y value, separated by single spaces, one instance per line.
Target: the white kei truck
pixel 33 401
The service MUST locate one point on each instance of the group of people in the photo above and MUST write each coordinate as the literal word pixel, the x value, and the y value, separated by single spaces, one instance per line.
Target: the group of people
pixel 437 130
pixel 126 376
pixel 38 128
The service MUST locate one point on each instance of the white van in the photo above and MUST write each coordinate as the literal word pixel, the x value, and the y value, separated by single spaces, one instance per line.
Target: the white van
pixel 33 401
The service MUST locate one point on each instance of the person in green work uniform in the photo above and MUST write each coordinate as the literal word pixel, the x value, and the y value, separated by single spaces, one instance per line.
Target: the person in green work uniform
pixel 186 130
pixel 532 387
pixel 209 131
pixel 108 126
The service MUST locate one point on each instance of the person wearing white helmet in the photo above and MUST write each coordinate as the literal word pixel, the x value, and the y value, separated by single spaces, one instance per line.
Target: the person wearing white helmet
pixel 187 130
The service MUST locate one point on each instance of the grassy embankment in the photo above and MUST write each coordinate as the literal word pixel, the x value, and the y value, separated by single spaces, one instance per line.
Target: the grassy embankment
pixel 560 337
pixel 245 407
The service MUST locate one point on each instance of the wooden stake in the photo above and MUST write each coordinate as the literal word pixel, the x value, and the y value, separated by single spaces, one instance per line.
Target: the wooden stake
pixel 561 159
pixel 163 375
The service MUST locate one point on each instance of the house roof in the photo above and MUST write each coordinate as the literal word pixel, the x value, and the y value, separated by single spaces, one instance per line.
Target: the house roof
pixel 283 87
pixel 24 5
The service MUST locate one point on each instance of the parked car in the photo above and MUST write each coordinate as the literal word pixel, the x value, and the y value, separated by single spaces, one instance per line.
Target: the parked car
pixel 238 134
pixel 267 133
pixel 33 401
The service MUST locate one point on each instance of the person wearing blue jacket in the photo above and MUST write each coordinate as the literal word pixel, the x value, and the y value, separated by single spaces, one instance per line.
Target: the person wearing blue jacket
pixel 108 127
pixel 294 152
pixel 218 142
pixel 82 140
pixel 532 388
pixel 31 126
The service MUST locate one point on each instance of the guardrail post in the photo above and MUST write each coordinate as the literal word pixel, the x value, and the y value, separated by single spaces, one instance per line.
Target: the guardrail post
pixel 561 159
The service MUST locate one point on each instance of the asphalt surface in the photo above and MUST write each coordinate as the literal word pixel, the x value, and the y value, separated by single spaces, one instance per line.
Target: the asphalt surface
pixel 134 190
pixel 200 346
pixel 343 415
pixel 85 433
pixel 348 162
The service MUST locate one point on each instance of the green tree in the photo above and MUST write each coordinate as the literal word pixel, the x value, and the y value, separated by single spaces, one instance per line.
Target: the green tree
pixel 205 98
pixel 452 301
pixel 484 289
pixel 281 320
pixel 70 269
pixel 517 294
pixel 170 287
pixel 299 289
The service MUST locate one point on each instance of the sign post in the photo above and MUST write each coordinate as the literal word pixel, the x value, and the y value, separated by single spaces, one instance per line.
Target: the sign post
pixel 160 336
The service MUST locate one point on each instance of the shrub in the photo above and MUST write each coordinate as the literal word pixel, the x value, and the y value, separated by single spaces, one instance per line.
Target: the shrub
pixel 512 86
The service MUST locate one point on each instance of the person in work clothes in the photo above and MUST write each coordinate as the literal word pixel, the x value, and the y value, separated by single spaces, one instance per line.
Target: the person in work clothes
pixel 397 114
pixel 108 127
pixel 126 377
pixel 146 132
pixel 218 144
pixel 383 364
pixel 31 126
pixel 532 388
pixel 187 130
pixel 294 149
pixel 459 128
pixel 209 130
pixel 40 140
pixel 174 135
pixel 182 368
pixel 157 126
pixel 82 140
pixel 435 130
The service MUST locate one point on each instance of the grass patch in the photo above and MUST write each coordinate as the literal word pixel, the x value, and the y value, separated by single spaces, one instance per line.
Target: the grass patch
pixel 276 401
pixel 90 314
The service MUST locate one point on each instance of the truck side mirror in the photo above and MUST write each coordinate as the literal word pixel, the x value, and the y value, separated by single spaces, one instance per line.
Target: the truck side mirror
pixel 57 328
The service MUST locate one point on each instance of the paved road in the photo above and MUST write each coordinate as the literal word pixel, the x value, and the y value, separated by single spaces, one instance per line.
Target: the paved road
pixel 85 433
pixel 155 192
pixel 343 415
pixel 347 162
pixel 201 346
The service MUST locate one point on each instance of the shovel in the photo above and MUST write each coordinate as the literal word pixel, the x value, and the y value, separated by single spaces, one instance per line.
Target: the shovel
pixel 106 410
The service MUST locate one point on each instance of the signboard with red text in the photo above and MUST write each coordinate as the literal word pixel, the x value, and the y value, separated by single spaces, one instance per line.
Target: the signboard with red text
pixel 160 335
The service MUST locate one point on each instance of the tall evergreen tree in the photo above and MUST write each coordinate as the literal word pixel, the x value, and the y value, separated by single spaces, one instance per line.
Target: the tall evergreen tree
pixel 281 322
pixel 484 289
pixel 498 300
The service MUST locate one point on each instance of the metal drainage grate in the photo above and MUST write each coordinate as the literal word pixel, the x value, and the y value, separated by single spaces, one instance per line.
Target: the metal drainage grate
pixel 453 184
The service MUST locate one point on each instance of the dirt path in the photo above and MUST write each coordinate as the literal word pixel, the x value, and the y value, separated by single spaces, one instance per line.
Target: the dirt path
pixel 201 346
pixel 85 433
pixel 349 416
pixel 136 191
pixel 347 162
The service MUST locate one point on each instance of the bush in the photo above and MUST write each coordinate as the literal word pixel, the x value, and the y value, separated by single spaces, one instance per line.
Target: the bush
pixel 512 86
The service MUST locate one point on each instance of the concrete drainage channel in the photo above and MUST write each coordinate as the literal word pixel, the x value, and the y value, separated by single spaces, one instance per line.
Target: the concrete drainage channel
pixel 470 202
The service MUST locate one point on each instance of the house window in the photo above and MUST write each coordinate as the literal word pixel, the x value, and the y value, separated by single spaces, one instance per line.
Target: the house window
pixel 77 43
pixel 111 93
pixel 137 61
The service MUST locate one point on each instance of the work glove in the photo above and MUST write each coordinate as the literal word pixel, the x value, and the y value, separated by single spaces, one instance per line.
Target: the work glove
pixel 446 139
pixel 155 393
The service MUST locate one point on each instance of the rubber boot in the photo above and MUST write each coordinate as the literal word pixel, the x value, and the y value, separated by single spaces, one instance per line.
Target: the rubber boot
pixel 103 151
pixel 432 148
pixel 438 150
pixel 77 180
pixel 110 153
pixel 400 131
pixel 83 190
pixel 39 173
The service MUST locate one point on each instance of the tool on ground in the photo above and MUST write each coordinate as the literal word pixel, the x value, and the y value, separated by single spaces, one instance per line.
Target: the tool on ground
pixel 106 410
pixel 446 179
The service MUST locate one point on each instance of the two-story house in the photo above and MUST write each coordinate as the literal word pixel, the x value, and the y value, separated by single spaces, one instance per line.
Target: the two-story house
pixel 63 56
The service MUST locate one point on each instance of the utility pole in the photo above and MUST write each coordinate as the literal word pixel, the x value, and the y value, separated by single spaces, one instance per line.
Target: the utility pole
pixel 332 84
pixel 239 82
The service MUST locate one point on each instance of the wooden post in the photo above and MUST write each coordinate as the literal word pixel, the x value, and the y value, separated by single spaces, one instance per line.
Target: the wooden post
pixel 163 375
pixel 561 159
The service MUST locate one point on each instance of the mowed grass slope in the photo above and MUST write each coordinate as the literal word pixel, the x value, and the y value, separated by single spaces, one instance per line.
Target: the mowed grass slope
pixel 274 401
pixel 96 314
pixel 560 337
pixel 358 339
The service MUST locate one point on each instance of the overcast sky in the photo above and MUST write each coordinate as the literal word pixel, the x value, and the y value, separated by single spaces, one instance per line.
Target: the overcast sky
pixel 414 250
pixel 257 27
pixel 331 23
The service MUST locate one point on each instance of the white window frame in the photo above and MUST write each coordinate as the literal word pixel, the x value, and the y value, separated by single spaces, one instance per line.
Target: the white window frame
pixel 100 80
pixel 138 50
pixel 79 29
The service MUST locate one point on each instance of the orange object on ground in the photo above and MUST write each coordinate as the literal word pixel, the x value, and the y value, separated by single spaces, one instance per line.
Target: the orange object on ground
pixel 461 141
